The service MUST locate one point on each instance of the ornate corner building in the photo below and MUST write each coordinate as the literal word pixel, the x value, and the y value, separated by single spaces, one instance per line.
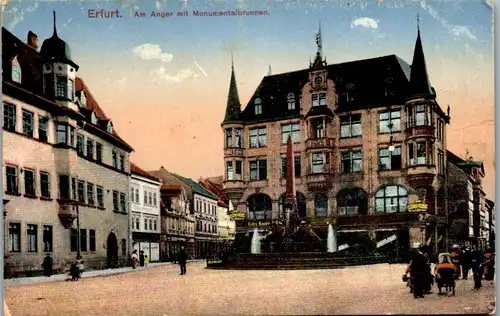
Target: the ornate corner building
pixel 369 139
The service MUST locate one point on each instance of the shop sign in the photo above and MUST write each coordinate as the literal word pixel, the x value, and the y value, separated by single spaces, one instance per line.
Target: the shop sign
pixel 320 221
pixel 418 206
pixel 238 216
pixel 259 223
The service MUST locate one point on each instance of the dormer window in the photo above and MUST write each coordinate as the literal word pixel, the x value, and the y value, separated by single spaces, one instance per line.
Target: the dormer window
pixel 109 128
pixel 258 106
pixel 93 119
pixel 83 99
pixel 291 101
pixel 16 70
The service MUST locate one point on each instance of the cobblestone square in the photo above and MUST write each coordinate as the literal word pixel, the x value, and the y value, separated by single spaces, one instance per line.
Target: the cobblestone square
pixel 375 289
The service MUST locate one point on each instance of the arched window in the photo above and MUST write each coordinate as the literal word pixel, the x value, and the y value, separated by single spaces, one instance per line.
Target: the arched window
pixel 352 202
pixel 16 70
pixel 321 205
pixel 258 106
pixel 290 98
pixel 391 199
pixel 301 205
pixel 259 207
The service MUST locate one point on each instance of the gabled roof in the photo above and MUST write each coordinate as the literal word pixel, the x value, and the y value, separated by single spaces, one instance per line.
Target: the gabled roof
pixel 217 190
pixel 196 187
pixel 170 181
pixel 419 79
pixel 367 78
pixel 135 169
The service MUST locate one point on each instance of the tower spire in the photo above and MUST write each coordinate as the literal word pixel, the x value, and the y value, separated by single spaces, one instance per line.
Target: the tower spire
pixel 55 29
pixel 233 107
pixel 419 78
pixel 318 60
pixel 418 24
pixel 319 42
pixel 232 61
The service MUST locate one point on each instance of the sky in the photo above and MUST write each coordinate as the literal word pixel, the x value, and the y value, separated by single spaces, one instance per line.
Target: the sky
pixel 164 81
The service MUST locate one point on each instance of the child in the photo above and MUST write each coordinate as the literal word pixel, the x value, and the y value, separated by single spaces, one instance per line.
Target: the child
pixel 146 260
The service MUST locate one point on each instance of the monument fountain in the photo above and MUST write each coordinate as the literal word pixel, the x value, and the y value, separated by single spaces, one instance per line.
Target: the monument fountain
pixel 292 243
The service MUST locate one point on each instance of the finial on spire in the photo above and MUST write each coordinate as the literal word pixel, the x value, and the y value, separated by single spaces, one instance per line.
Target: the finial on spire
pixel 318 41
pixel 232 60
pixel 55 30
pixel 418 23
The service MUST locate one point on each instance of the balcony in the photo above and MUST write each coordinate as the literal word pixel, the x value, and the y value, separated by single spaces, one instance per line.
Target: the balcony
pixel 319 143
pixel 319 178
pixel 233 152
pixel 420 175
pixel 67 212
pixel 420 131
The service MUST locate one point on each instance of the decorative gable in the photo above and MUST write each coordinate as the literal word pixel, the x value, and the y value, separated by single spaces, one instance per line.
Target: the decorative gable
pixel 83 99
pixel 94 120
pixel 109 128
pixel 16 70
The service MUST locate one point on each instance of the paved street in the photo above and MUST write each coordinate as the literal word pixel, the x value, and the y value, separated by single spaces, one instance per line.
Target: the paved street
pixel 376 289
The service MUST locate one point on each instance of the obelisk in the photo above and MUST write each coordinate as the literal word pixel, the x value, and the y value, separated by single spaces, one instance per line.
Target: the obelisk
pixel 290 198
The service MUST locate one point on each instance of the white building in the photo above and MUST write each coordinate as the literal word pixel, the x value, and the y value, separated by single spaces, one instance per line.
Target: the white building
pixel 65 169
pixel 145 212
pixel 227 227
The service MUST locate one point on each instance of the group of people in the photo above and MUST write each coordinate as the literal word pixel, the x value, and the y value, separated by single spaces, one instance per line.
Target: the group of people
pixel 448 269
pixel 144 260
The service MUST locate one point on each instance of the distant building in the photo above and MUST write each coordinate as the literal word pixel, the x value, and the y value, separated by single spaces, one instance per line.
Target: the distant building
pixel 65 168
pixel 490 208
pixel 145 212
pixel 370 145
pixel 177 215
pixel 227 227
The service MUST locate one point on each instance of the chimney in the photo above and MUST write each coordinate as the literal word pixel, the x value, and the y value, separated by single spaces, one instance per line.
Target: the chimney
pixel 32 40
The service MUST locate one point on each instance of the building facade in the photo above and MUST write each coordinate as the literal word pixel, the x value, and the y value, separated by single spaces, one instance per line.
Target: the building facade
pixel 490 209
pixel 177 216
pixel 145 212
pixel 369 139
pixel 65 169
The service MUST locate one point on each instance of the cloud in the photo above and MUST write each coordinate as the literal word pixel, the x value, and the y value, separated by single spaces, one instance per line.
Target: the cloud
pixel 365 22
pixel 455 30
pixel 15 14
pixel 149 51
pixel 201 69
pixel 160 74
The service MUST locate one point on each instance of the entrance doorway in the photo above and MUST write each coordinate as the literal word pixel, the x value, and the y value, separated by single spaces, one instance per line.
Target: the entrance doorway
pixel 112 250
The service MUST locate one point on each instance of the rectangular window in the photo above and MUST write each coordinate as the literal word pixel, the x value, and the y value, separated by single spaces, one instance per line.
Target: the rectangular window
pixel 145 197
pixel 28 124
pixel 258 137
pixel 122 162
pixel 155 199
pixel 132 195
pixel 137 222
pixel 48 85
pixel 12 180
pixel 150 198
pixel 319 128
pixel 115 201
pixel 441 168
pixel 61 87
pixel 229 170
pixel 351 161
pixel 390 122
pixel 64 187
pixel 137 195
pixel 390 160
pixel 411 154
pixel 90 194
pixel 9 117
pixel 319 165
pixel 43 127
pixel 420 115
pixel 100 196
pixel 238 170
pixel 61 134
pixel 32 234
pixel 420 153
pixel 81 191
pixel 292 130
pixel 322 99
pixel 98 151
pixel 47 238
pixel 237 138
pixel 70 90
pixel 145 224
pixel 229 138
pixel 74 195
pixel 258 170
pixel 115 159
pixel 83 240
pixel 91 240
pixel 44 185
pixel 123 203
pixel 315 100
pixel 14 237
pixel 73 240
pixel 350 126
pixel 29 182
pixel 80 144
pixel 90 149
pixel 284 166
pixel 71 136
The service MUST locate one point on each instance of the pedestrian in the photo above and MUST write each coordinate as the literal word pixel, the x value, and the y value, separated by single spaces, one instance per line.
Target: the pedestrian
pixel 146 260
pixel 477 268
pixel 419 273
pixel 141 258
pixel 134 259
pixel 445 274
pixel 182 258
pixel 456 259
pixel 48 265
pixel 466 263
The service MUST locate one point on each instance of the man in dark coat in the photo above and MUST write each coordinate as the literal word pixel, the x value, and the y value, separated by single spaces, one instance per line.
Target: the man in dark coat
pixel 141 258
pixel 466 263
pixel 182 260
pixel 48 265
pixel 419 272
pixel 477 264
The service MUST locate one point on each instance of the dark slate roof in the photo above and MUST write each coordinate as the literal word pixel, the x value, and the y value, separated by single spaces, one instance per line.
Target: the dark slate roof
pixel 368 77
pixel 196 187
pixel 419 80
pixel 233 107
